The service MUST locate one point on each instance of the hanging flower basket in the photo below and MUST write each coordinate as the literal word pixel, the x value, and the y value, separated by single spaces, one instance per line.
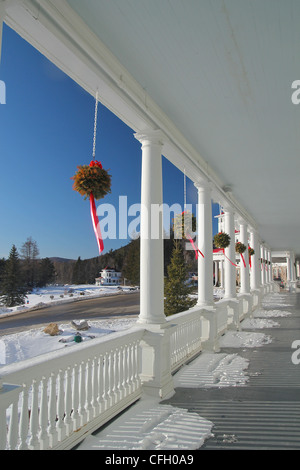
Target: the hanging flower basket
pixel 240 247
pixel 184 224
pixel 222 240
pixel 251 251
pixel 92 179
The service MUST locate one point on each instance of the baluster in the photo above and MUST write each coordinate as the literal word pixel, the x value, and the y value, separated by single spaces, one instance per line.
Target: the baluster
pixel 43 417
pixel 13 425
pixel 136 366
pixel 89 407
pixel 34 417
pixel 3 428
pixel 116 394
pixel 68 403
pixel 111 378
pixel 130 368
pixel 75 398
pixel 82 395
pixel 52 431
pixel 100 399
pixel 95 387
pixel 60 426
pixel 24 420
pixel 121 373
pixel 106 382
pixel 125 368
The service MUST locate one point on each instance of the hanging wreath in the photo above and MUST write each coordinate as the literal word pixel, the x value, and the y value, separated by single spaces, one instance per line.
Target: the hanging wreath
pixel 222 240
pixel 93 182
pixel 184 224
pixel 251 251
pixel 240 247
pixel 92 179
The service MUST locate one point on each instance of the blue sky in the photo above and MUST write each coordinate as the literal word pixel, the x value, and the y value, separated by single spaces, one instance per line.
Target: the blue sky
pixel 46 130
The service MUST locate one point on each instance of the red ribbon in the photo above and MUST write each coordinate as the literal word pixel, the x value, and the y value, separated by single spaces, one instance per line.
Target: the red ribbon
pixel 96 224
pixel 243 259
pixel 96 163
pixel 228 258
pixel 196 249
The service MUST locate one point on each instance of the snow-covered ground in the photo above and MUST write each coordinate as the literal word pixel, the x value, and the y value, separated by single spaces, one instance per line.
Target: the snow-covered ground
pixel 28 344
pixel 148 424
pixel 59 294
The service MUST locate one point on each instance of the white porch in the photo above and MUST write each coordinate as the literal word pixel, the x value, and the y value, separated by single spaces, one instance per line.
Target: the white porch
pixel 212 115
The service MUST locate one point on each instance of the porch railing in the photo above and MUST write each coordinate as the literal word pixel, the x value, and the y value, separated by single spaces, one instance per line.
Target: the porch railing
pixel 55 400
pixel 65 395
pixel 186 338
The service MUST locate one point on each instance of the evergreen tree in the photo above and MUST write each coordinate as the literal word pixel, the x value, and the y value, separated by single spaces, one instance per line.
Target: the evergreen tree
pixel 13 289
pixel 176 289
pixel 131 269
pixel 2 270
pixel 46 273
pixel 78 276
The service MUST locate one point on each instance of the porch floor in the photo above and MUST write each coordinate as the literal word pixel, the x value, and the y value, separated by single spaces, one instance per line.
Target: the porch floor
pixel 264 413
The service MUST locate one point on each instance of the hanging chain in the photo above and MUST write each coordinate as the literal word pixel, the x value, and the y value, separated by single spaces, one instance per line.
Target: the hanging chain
pixel 95 126
pixel 184 190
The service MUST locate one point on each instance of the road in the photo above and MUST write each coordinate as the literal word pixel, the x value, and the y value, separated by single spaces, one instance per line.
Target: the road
pixel 92 309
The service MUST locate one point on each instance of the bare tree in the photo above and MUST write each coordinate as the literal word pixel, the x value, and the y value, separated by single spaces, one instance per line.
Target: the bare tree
pixel 29 253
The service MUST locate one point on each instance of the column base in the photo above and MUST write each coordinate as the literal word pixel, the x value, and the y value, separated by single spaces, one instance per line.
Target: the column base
pixel 156 377
pixel 245 304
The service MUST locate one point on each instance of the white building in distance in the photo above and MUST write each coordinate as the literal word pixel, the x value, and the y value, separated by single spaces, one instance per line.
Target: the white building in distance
pixel 109 277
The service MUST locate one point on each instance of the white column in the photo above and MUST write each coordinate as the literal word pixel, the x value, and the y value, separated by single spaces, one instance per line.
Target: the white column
pixel 222 273
pixel 269 266
pixel 254 271
pixel 205 244
pixel 230 270
pixel 244 271
pixel 293 269
pixel 262 255
pixel 151 260
pixel 288 267
pixel 216 269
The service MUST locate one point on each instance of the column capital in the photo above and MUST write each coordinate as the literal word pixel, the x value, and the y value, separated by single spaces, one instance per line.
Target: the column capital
pixel 228 208
pixel 151 136
pixel 203 185
pixel 242 222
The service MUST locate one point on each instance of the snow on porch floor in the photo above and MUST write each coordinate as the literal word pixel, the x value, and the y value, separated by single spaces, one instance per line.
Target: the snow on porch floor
pixel 191 418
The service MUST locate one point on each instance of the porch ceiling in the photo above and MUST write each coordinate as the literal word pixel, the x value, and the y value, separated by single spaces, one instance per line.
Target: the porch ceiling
pixel 222 71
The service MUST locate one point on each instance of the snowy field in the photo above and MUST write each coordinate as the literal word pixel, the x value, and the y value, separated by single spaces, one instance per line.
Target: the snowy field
pixel 148 424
